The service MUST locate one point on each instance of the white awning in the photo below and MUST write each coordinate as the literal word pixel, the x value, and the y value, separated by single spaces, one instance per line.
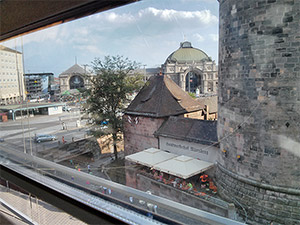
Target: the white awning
pixel 150 157
pixel 183 166
pixel 180 166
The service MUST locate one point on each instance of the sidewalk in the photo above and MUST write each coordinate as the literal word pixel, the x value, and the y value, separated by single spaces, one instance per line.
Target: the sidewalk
pixel 39 211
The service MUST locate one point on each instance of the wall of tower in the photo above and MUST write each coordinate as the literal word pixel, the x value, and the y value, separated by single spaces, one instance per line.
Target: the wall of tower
pixel 259 108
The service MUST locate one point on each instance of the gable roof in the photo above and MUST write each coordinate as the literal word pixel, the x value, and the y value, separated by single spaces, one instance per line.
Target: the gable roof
pixel 186 129
pixel 75 69
pixel 161 97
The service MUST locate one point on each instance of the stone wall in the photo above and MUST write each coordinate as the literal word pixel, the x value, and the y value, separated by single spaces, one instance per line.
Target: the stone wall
pixel 259 203
pixel 213 205
pixel 138 133
pixel 144 183
pixel 259 105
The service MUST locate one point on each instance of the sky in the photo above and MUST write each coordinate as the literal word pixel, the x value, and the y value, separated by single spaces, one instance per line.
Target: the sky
pixel 147 32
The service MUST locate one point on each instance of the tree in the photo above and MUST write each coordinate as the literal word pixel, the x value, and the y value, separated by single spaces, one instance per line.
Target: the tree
pixel 114 82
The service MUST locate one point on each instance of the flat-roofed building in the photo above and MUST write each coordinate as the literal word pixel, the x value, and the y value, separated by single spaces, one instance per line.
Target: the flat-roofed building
pixel 12 88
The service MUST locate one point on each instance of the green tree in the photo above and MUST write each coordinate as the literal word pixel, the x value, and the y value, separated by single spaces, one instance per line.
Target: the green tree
pixel 114 82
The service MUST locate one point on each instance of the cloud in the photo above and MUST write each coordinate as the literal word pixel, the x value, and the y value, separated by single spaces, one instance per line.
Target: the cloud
pixel 156 17
pixel 199 37
pixel 93 49
pixel 150 22
pixel 203 17
pixel 214 37
pixel 113 17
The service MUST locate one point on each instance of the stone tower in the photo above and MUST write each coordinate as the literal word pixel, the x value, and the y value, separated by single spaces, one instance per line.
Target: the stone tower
pixel 259 108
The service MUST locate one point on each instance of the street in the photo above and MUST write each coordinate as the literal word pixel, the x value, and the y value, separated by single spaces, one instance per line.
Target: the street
pixel 21 133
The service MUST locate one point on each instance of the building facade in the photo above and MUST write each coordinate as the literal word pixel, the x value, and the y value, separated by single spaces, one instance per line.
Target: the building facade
pixel 33 86
pixel 259 102
pixel 192 70
pixel 74 78
pixel 12 88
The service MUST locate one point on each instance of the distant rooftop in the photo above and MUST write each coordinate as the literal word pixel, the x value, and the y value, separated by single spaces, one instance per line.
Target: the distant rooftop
pixel 187 54
pixel 162 97
pixel 75 69
pixel 193 130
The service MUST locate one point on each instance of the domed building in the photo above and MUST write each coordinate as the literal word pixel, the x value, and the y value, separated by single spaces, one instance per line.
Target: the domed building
pixel 192 70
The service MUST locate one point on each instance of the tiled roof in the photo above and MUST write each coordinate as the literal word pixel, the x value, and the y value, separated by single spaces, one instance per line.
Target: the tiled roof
pixel 75 69
pixel 193 130
pixel 162 97
pixel 211 101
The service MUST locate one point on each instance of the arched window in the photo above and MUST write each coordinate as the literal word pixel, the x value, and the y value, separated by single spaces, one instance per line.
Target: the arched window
pixel 192 82
pixel 76 82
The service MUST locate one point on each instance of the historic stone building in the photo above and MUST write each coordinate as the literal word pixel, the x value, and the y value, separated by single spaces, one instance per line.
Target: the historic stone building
pixel 192 70
pixel 12 88
pixel 159 99
pixel 73 78
pixel 259 104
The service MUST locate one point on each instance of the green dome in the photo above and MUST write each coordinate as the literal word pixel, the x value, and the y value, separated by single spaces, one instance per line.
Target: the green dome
pixel 187 54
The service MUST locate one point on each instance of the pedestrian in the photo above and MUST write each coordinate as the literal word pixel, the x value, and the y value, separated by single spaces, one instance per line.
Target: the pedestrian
pixel 63 139
pixel 203 180
pixel 131 199
pixel 89 168
pixel 190 186
pixel 63 125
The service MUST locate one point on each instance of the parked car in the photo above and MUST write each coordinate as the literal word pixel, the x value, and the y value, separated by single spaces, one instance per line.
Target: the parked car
pixel 44 137
pixel 66 108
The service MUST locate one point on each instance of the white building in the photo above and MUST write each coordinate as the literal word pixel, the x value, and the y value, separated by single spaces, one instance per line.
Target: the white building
pixel 192 70
pixel 12 89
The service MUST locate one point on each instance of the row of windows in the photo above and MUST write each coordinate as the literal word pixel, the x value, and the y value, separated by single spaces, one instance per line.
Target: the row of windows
pixel 8 86
pixel 7 80
pixel 8 61
pixel 9 67
pixel 7 73
pixel 7 54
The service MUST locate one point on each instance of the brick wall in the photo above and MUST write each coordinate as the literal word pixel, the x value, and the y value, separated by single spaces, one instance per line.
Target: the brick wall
pixel 138 133
pixel 259 105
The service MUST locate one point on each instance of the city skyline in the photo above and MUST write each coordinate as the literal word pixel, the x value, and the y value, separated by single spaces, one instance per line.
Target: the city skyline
pixel 146 32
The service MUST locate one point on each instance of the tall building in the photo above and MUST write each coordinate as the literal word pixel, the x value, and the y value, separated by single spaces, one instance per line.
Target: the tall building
pixel 12 89
pixel 33 86
pixel 259 102
pixel 192 70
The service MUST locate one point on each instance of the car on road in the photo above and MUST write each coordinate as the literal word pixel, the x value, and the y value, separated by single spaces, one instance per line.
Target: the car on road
pixel 66 108
pixel 44 137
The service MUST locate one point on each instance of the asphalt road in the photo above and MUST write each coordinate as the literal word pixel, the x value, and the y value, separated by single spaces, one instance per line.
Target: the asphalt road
pixel 21 133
